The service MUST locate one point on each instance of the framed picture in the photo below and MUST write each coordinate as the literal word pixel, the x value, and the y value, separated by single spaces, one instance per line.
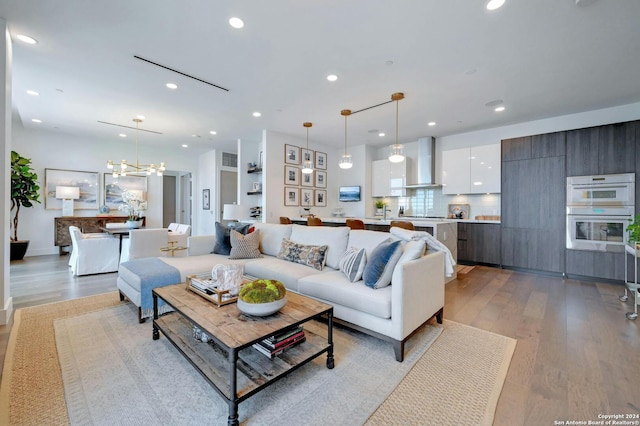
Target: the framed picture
pixel 321 198
pixel 321 160
pixel 306 179
pixel 291 175
pixel 306 197
pixel 306 155
pixel 458 211
pixel 291 196
pixel 206 204
pixel 86 181
pixel 114 187
pixel 291 154
pixel 321 179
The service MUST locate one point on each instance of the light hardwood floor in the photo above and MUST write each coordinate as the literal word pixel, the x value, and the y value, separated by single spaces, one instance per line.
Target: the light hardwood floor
pixel 577 355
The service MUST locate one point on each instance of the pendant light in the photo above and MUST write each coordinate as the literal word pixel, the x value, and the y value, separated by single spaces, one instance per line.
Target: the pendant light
pixel 345 161
pixel 137 169
pixel 396 155
pixel 307 167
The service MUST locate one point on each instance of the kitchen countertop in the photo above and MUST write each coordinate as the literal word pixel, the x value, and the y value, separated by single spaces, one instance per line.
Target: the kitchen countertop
pixel 415 220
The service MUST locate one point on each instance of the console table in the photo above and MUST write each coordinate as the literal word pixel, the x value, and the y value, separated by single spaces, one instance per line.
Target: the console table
pixel 87 224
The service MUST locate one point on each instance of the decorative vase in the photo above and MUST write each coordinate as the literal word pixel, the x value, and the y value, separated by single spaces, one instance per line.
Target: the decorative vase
pixel 134 224
pixel 18 249
pixel 261 309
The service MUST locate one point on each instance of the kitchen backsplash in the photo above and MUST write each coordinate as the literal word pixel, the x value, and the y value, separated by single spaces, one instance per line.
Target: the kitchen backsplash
pixel 431 202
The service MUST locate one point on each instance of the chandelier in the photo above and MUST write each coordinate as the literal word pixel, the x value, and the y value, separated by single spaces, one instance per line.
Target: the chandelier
pixel 307 166
pixel 137 169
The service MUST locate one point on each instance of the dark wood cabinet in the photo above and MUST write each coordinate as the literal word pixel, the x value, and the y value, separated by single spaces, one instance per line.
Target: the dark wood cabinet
pixel 601 150
pixel 597 264
pixel 479 243
pixel 533 202
pixel 89 224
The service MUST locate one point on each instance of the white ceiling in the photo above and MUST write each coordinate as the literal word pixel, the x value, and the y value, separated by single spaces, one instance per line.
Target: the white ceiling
pixel 544 58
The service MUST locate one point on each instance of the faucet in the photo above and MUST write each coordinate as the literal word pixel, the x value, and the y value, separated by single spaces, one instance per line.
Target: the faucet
pixel 384 213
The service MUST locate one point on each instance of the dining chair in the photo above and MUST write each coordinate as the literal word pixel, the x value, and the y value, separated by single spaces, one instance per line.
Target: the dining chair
pixel 91 255
pixel 355 224
pixel 402 224
pixel 285 220
pixel 314 221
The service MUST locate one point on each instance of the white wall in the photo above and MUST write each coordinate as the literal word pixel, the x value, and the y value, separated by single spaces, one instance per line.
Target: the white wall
pixel 55 150
pixel 207 178
pixel 6 301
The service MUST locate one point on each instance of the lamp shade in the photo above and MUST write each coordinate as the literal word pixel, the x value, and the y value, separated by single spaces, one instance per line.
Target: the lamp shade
pixel 232 212
pixel 68 192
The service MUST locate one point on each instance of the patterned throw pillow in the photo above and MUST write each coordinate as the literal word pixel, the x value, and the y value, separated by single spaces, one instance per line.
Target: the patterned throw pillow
pixel 223 237
pixel 353 262
pixel 245 246
pixel 312 256
pixel 380 265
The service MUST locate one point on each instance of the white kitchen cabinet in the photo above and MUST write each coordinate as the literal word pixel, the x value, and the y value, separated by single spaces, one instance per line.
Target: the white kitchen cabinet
pixel 388 179
pixel 474 170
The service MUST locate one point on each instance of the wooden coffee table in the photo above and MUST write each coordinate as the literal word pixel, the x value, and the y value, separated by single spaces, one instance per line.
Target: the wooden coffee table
pixel 230 365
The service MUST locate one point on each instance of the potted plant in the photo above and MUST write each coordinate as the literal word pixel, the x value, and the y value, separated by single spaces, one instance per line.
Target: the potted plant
pixel 133 205
pixel 24 192
pixel 634 232
pixel 379 207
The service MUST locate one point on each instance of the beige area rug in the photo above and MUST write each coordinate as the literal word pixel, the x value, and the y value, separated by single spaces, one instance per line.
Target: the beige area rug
pixel 32 390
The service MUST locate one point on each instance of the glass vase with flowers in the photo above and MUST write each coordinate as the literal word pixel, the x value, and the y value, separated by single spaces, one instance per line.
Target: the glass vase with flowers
pixel 133 204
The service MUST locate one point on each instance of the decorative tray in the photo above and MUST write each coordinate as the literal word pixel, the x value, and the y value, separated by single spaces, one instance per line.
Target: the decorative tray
pixel 203 285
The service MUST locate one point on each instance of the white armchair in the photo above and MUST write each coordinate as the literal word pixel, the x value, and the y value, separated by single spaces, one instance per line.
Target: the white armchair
pixel 144 243
pixel 92 253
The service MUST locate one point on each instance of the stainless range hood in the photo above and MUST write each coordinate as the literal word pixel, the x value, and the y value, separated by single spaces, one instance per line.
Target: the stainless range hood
pixel 425 164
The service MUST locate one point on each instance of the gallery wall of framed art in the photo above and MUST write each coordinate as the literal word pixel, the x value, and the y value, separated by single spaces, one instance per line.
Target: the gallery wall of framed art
pixel 301 189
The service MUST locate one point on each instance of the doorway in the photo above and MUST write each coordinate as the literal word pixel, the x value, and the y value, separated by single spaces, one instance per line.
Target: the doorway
pixel 176 198
pixel 228 190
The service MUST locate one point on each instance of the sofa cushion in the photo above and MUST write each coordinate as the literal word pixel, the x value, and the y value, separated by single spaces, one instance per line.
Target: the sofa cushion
pixel 334 288
pixel 223 237
pixel 271 235
pixel 367 239
pixel 287 273
pixel 335 237
pixel 245 246
pixel 412 250
pixel 312 256
pixel 380 265
pixel 352 263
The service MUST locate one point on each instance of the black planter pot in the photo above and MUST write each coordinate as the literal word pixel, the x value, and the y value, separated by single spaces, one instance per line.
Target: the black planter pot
pixel 19 249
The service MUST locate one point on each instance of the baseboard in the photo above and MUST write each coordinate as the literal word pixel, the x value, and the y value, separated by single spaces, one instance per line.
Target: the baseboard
pixel 5 313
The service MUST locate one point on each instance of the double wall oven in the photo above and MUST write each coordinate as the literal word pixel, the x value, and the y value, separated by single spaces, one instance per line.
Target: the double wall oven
pixel 598 211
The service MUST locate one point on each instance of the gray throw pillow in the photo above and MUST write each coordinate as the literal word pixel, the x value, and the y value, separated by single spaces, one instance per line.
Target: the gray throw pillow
pixel 223 237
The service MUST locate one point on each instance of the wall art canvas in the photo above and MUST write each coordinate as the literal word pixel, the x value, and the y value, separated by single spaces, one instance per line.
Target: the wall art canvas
pixel 86 181
pixel 291 175
pixel 306 179
pixel 291 196
pixel 321 179
pixel 458 211
pixel 113 188
pixel 306 197
pixel 291 154
pixel 321 198
pixel 321 160
pixel 206 200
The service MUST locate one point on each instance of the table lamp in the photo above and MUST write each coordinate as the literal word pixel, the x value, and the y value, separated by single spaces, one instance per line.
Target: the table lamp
pixel 67 194
pixel 232 212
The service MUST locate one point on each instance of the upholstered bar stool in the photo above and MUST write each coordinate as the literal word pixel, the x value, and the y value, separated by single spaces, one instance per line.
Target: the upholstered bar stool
pixel 402 224
pixel 355 224
pixel 285 220
pixel 314 221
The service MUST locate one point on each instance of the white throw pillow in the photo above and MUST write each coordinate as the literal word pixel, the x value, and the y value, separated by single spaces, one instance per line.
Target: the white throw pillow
pixel 335 237
pixel 352 263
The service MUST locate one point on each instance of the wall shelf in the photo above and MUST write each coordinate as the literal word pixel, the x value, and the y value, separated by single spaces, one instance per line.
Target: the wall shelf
pixel 256 170
pixel 254 192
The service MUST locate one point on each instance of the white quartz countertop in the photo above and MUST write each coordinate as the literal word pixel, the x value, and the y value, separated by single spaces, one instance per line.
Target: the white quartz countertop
pixel 415 221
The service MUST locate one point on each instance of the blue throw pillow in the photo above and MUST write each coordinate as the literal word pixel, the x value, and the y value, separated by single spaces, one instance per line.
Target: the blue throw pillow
pixel 223 237
pixel 379 267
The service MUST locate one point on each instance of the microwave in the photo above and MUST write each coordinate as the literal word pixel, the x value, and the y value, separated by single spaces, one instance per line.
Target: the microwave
pixel 604 190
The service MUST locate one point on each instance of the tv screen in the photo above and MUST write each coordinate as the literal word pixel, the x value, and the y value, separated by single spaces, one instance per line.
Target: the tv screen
pixel 349 193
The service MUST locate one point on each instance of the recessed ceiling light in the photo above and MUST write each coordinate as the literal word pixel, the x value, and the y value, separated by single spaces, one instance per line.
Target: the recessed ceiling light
pixel 499 109
pixel 36 120
pixel 172 86
pixel 236 22
pixel 332 77
pixel 477 183
pixel 32 93
pixel 184 145
pixel 140 117
pixel 122 135
pixel 213 132
pixel 495 4
pixel 256 114
pixel 431 123
pixel 381 134
pixel 26 39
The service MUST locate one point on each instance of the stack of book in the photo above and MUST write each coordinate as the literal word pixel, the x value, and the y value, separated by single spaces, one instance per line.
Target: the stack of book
pixel 275 345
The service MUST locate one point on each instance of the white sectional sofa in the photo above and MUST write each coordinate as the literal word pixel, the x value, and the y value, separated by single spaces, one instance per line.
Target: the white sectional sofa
pixel 392 313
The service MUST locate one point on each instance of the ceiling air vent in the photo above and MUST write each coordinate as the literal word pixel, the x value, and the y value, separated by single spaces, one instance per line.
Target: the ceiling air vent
pixel 229 160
